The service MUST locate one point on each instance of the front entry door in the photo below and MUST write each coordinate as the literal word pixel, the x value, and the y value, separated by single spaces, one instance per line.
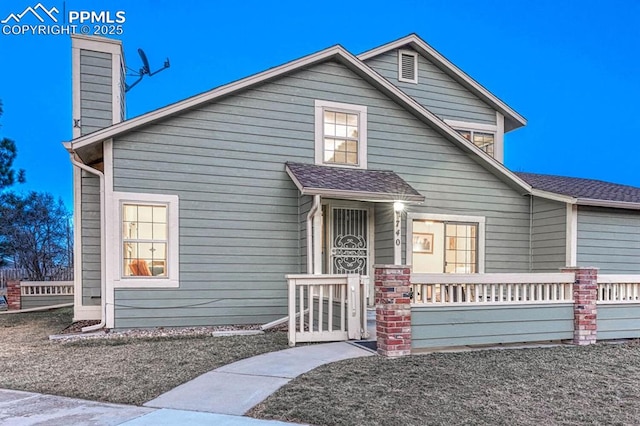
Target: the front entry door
pixel 349 241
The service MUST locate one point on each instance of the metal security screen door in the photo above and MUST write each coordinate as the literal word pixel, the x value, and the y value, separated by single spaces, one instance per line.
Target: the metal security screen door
pixel 349 251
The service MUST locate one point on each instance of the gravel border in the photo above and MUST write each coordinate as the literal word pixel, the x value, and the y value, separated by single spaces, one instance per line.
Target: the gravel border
pixel 143 333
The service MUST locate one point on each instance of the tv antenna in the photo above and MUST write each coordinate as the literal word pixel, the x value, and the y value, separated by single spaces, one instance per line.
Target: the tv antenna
pixel 145 70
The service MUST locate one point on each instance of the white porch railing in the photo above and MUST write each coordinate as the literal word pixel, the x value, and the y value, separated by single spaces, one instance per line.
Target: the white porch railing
pixel 456 289
pixel 46 288
pixel 325 308
pixel 618 289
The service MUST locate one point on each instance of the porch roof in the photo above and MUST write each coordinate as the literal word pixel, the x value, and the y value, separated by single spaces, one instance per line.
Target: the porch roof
pixel 351 184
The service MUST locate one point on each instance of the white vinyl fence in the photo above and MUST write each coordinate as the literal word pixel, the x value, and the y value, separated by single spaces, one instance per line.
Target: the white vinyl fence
pixel 326 307
pixel 446 289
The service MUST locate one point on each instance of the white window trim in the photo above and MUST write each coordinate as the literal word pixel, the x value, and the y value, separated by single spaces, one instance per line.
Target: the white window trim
pixel 480 220
pixel 320 106
pixel 415 66
pixel 173 264
pixel 496 129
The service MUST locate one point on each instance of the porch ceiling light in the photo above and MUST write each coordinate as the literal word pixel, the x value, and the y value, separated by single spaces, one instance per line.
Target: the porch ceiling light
pixel 398 206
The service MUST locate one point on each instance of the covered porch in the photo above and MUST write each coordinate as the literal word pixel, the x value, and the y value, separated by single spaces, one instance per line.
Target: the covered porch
pixel 350 219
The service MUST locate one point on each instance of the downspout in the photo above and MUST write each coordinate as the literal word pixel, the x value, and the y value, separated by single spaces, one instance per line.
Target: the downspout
pixel 103 280
pixel 310 242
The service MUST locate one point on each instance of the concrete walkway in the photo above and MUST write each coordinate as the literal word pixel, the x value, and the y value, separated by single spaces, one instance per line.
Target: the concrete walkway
pixel 236 388
pixel 219 397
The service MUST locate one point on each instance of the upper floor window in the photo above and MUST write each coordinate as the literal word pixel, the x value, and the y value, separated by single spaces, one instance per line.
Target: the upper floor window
pixel 488 137
pixel 407 66
pixel 483 140
pixel 341 134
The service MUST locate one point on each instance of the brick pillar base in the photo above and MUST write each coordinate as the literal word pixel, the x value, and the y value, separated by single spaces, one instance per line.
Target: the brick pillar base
pixel 13 294
pixel 393 310
pixel 585 313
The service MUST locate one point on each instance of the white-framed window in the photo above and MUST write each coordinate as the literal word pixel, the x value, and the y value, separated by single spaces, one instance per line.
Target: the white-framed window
pixel 407 66
pixel 340 134
pixel 451 244
pixel 483 140
pixel 487 137
pixel 147 237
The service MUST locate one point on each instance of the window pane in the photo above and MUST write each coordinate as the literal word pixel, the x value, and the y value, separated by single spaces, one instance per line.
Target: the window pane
pixel 329 144
pixel 159 214
pixel 340 157
pixel 130 213
pixel 329 117
pixel 328 156
pixel 145 213
pixel 130 230
pixel 145 231
pixel 145 250
pixel 341 137
pixel 159 231
pixel 329 129
pixel 465 134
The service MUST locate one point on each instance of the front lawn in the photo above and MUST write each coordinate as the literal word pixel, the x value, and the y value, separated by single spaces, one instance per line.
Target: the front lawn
pixel 122 370
pixel 560 385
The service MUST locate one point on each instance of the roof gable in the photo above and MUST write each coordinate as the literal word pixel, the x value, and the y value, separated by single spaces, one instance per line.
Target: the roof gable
pixel 336 53
pixel 513 120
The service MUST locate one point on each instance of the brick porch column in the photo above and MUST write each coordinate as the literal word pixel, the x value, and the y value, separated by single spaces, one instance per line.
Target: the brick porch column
pixel 393 309
pixel 585 296
pixel 13 294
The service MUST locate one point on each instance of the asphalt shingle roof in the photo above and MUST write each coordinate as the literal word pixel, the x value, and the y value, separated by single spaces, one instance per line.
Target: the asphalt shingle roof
pixel 583 188
pixel 383 184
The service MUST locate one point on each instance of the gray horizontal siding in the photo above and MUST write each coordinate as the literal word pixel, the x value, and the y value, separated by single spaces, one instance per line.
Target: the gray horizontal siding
pixel 548 235
pixel 435 90
pixel 383 234
pixel 618 321
pixel 242 222
pixel 433 327
pixel 304 206
pixel 609 239
pixel 95 91
pixel 28 302
pixel 90 237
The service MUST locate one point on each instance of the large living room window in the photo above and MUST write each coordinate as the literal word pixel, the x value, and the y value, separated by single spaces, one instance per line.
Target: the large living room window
pixel 445 244
pixel 148 233
pixel 341 134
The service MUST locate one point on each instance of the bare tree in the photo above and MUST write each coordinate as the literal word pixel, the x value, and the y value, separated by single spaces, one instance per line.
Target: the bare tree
pixel 35 233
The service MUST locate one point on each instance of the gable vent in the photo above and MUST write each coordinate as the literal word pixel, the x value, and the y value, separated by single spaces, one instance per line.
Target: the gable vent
pixel 407 66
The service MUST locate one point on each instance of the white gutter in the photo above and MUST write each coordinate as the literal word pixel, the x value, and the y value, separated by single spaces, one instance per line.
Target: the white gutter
pixel 103 280
pixel 310 217
pixel 607 203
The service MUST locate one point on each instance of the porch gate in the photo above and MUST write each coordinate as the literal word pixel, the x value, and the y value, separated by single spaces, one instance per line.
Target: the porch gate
pixel 327 308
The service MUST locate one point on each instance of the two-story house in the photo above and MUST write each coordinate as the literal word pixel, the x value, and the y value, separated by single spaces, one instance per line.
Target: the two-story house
pixel 193 214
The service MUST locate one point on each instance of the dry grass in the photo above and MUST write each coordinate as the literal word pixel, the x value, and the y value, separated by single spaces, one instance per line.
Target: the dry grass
pixel 126 370
pixel 561 385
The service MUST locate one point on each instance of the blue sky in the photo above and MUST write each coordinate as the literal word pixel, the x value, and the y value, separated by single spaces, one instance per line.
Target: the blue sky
pixel 572 68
